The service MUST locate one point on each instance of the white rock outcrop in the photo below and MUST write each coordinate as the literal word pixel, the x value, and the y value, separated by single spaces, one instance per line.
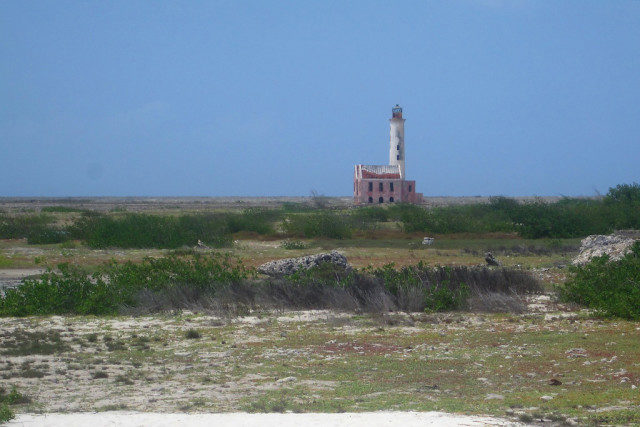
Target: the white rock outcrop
pixel 285 267
pixel 614 245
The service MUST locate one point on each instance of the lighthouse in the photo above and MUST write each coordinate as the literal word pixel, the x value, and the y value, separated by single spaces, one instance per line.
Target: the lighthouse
pixel 396 139
pixel 387 183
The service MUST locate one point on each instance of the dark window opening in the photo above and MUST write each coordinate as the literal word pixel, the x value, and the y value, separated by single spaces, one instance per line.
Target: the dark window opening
pixel 371 186
pixel 370 199
pixel 380 187
pixel 391 186
pixel 398 147
pixel 380 200
pixel 398 157
pixel 390 199
pixel 409 188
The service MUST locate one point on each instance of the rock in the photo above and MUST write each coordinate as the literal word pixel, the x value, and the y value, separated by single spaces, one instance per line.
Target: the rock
pixel 576 352
pixel 285 267
pixel 286 380
pixel 201 245
pixel 546 398
pixel 428 241
pixel 493 396
pixel 491 259
pixel 555 381
pixel 615 245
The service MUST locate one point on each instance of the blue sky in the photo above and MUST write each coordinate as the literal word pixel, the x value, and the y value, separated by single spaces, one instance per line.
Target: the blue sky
pixel 267 98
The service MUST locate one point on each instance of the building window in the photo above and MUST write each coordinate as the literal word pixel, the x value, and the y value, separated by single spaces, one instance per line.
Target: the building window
pixel 371 186
pixel 380 187
pixel 390 199
pixel 409 188
pixel 398 147
pixel 391 186
pixel 398 157
pixel 380 200
pixel 370 199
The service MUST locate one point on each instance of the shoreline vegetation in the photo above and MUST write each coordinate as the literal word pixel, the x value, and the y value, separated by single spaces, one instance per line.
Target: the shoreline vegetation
pixel 566 218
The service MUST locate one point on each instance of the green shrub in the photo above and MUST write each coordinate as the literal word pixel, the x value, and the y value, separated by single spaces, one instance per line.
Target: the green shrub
pixel 136 230
pixel 69 291
pixel 367 217
pixel 477 218
pixel 610 287
pixel 8 399
pixel 293 244
pixel 73 291
pixel 318 224
pixel 197 271
pixel 21 226
pixel 443 298
pixel 152 231
pixel 6 414
pixel 442 290
pixel 47 235
pixel 563 219
pixel 624 193
pixel 255 220
pixel 193 334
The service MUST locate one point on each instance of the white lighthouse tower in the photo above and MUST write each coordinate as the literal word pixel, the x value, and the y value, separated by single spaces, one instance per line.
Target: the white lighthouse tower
pixel 396 139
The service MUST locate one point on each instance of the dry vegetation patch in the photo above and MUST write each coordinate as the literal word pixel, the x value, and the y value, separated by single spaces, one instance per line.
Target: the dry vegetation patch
pixel 566 365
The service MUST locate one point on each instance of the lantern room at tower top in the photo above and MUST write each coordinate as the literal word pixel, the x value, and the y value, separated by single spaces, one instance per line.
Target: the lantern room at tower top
pixel 387 183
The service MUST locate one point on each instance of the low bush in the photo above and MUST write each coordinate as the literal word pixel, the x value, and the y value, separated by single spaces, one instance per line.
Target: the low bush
pixel 293 244
pixel 421 287
pixel 47 235
pixel 21 226
pixel 220 283
pixel 6 414
pixel 136 230
pixel 7 399
pixel 72 291
pixel 152 231
pixel 569 217
pixel 610 287
pixel 193 334
pixel 367 217
pixel 253 220
pixel 318 224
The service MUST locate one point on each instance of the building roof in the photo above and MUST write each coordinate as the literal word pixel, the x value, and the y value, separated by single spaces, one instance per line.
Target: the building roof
pixel 378 171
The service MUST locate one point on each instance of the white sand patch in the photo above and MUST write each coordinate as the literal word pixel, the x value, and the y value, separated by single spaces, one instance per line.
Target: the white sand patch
pixel 296 316
pixel 365 419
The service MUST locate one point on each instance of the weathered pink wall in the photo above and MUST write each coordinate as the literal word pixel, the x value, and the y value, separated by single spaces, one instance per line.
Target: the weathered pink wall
pixel 400 191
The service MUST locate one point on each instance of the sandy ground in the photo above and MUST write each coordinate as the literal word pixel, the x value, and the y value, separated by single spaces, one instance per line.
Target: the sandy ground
pixel 12 277
pixel 365 419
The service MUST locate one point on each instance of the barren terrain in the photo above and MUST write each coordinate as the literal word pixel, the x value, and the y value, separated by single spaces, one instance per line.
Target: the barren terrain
pixel 550 363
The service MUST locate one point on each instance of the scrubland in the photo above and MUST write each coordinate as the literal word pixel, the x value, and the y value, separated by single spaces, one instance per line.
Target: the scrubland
pixel 162 310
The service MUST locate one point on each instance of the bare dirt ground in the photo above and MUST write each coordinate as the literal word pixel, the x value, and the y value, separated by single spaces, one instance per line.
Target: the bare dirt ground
pixel 12 277
pixel 367 419
pixel 551 363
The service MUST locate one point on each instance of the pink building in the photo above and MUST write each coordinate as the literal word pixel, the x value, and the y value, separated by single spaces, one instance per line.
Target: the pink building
pixel 387 183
